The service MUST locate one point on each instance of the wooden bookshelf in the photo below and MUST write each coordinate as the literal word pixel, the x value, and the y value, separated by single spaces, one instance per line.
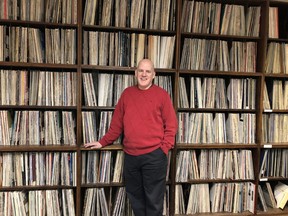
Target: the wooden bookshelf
pixel 215 58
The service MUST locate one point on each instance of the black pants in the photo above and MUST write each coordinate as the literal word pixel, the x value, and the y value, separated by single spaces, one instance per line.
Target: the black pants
pixel 145 180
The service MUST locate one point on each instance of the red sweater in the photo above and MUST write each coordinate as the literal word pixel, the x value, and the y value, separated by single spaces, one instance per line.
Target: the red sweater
pixel 146 117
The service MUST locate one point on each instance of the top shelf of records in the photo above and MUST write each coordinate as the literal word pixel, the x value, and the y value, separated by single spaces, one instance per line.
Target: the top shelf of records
pixel 103 12
pixel 41 11
pixel 241 18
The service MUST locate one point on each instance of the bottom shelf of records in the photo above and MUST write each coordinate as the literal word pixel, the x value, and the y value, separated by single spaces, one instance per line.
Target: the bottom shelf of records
pixel 112 201
pixel 98 200
pixel 38 202
pixel 214 198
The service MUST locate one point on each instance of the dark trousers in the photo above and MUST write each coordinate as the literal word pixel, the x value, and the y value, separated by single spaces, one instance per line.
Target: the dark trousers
pixel 145 180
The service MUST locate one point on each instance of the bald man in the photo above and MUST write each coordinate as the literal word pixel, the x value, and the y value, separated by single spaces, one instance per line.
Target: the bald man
pixel 146 115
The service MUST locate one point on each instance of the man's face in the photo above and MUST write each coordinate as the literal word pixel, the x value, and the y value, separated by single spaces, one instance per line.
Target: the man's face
pixel 145 74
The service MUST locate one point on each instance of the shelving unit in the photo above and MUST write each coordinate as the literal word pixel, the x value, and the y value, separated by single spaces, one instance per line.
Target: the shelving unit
pixel 70 53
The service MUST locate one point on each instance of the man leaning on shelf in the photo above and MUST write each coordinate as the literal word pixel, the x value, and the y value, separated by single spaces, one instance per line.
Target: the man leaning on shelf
pixel 146 115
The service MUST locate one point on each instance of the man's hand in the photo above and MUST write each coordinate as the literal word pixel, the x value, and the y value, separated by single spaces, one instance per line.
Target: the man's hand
pixel 93 145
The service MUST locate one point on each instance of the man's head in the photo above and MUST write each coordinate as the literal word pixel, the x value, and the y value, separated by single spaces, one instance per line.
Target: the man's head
pixel 145 74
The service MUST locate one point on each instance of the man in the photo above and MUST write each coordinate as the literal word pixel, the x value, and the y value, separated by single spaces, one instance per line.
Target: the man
pixel 146 116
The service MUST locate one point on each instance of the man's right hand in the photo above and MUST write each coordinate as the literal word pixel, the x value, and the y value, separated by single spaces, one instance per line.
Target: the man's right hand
pixel 93 145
